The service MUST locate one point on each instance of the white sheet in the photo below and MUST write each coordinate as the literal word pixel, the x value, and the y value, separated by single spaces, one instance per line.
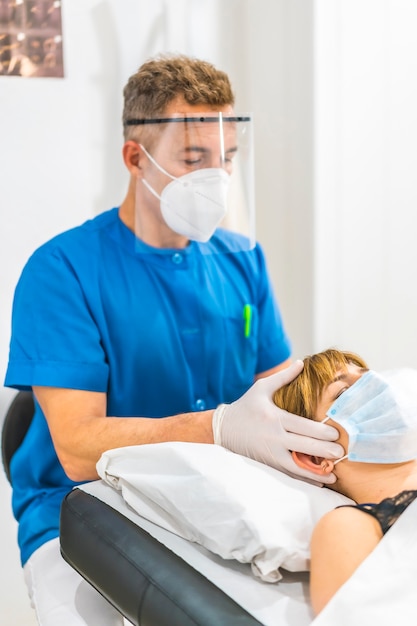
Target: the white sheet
pixel 282 604
pixel 233 506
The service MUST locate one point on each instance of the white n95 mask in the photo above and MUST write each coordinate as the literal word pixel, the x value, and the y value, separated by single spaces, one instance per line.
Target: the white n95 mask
pixel 379 413
pixel 193 205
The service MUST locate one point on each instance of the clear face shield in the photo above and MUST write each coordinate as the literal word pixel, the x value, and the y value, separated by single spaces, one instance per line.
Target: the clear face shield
pixel 196 182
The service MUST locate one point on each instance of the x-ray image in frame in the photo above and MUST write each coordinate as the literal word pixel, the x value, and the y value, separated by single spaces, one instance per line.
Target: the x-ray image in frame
pixel 31 38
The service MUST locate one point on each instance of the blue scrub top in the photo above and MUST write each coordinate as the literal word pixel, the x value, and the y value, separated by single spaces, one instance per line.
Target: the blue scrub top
pixel 160 331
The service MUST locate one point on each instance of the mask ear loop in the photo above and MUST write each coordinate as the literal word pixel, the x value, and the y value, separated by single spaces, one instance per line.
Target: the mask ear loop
pixel 160 168
pixel 151 189
pixel 341 459
pixel 326 419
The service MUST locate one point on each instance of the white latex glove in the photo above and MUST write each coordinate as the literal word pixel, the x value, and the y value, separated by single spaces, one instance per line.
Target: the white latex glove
pixel 255 427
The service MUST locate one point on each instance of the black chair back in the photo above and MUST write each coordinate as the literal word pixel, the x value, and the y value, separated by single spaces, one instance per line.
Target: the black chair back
pixel 15 426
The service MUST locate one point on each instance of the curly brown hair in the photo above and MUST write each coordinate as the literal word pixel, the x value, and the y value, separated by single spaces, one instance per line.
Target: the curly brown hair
pixel 161 79
pixel 301 396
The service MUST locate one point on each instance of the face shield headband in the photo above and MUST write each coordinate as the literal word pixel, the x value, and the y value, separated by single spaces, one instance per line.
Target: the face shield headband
pixel 197 175
pixel 379 413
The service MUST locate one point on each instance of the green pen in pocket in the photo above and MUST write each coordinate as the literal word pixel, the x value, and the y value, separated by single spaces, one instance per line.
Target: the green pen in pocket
pixel 247 318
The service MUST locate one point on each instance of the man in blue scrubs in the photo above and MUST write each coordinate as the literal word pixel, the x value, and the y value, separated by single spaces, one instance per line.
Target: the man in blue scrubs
pixel 149 323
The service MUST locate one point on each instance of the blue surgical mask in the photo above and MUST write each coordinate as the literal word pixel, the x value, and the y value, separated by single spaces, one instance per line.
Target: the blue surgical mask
pixel 379 413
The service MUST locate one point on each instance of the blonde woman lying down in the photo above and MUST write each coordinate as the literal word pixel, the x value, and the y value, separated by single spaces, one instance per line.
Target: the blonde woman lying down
pixel 376 416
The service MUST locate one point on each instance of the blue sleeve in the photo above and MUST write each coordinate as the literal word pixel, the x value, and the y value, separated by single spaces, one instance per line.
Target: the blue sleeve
pixel 55 341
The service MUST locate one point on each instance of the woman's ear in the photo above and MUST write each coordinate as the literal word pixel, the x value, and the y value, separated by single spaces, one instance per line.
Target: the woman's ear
pixel 315 464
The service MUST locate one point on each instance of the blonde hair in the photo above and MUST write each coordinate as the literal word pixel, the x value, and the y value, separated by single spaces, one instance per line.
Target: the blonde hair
pixel 161 79
pixel 301 396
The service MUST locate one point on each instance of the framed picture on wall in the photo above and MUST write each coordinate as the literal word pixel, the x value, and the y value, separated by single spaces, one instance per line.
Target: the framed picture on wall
pixel 31 38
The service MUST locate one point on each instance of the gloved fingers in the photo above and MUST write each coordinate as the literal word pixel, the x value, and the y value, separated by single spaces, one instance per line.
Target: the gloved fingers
pixel 303 426
pixel 283 377
pixel 313 479
pixel 314 447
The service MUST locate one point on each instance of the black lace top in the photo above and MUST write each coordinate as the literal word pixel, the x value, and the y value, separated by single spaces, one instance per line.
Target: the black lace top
pixel 389 510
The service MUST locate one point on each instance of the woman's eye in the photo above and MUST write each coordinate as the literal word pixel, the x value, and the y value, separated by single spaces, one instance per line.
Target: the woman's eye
pixel 342 390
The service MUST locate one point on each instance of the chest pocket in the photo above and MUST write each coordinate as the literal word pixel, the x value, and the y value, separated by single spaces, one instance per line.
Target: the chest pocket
pixel 242 339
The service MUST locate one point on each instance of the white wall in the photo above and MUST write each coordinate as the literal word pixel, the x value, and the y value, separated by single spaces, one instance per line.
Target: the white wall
pixel 332 87
pixel 365 193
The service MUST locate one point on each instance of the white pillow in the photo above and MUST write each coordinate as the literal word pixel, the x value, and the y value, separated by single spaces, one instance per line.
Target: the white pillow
pixel 233 506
